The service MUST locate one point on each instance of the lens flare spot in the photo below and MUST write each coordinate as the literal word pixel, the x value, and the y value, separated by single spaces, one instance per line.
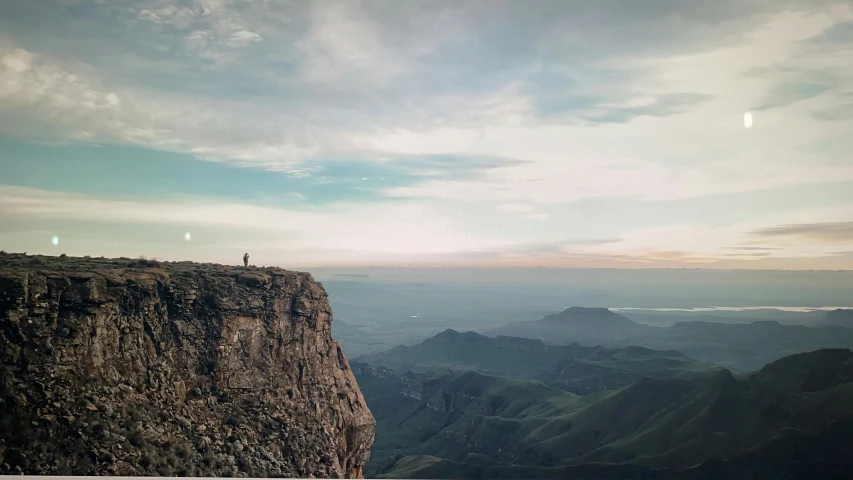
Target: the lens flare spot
pixel 187 236
pixel 54 241
pixel 747 120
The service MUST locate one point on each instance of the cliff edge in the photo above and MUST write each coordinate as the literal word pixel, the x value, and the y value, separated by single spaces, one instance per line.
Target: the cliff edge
pixel 134 367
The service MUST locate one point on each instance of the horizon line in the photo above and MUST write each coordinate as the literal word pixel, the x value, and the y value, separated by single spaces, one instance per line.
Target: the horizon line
pixel 449 267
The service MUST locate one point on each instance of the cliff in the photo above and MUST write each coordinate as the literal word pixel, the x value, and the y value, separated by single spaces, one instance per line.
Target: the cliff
pixel 131 367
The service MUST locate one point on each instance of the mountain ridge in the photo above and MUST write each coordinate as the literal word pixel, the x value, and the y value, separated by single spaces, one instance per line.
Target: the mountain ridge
pixel 839 317
pixel 739 346
pixel 655 428
pixel 574 368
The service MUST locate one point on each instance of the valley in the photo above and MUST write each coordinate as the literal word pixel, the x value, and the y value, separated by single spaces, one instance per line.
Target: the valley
pixel 664 423
pixel 599 393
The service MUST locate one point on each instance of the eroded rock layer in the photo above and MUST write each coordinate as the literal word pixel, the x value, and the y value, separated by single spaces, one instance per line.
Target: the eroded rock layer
pixel 132 367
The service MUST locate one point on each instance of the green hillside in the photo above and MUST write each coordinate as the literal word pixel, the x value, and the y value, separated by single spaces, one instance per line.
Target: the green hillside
pixel 507 356
pixel 503 426
pixel 423 466
pixel 574 368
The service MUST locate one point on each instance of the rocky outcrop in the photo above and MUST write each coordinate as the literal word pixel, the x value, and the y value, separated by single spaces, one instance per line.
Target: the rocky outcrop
pixel 128 367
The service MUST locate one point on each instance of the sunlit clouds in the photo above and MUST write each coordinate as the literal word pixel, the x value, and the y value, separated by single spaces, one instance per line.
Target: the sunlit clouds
pixel 560 133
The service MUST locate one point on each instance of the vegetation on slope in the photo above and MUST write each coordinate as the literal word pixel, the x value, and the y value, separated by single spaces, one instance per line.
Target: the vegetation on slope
pixel 663 427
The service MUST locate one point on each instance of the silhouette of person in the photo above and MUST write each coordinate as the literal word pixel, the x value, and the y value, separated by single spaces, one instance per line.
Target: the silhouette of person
pixel 246 259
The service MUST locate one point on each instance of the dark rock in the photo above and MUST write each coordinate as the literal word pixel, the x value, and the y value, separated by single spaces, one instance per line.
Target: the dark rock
pixel 149 360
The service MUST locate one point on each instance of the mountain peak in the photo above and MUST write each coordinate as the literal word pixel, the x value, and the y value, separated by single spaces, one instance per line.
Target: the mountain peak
pixel 844 313
pixel 449 333
pixel 840 317
pixel 456 336
pixel 588 311
pixel 597 316
pixel 810 371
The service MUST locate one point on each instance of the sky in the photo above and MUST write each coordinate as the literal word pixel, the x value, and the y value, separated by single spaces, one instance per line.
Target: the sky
pixel 565 133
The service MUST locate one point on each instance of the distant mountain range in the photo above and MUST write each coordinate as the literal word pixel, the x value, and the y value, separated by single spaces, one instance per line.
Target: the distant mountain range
pixel 466 424
pixel 839 317
pixel 665 318
pixel 574 368
pixel 739 346
pixel 589 393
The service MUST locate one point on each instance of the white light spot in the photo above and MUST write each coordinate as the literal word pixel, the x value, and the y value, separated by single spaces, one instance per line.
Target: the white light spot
pixel 364 178
pixel 747 120
pixel 187 236
pixel 54 241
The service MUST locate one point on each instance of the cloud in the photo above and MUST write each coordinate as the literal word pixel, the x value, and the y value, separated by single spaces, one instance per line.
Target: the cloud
pixel 590 109
pixel 466 117
pixel 216 25
pixel 551 253
pixel 840 113
pixel 557 179
pixel 664 105
pixel 325 68
pixel 38 90
pixel 539 217
pixel 529 211
pixel 592 241
pixel 167 14
pixel 753 237
pixel 25 79
pixel 839 34
pixel 342 42
pixel 516 208
pixel 824 232
pixel 665 158
pixel 816 66
pixel 244 37
pixel 790 93
pixel 387 231
pixel 386 234
pixel 558 258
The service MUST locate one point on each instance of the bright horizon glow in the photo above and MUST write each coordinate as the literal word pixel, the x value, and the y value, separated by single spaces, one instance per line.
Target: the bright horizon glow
pixel 459 135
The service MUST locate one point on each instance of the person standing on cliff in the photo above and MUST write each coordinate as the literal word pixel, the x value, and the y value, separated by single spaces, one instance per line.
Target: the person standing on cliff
pixel 246 259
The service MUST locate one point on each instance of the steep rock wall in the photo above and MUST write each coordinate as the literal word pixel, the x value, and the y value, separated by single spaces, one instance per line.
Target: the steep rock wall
pixel 130 367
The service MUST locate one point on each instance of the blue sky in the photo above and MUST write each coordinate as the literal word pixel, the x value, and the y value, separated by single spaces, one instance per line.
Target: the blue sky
pixel 489 133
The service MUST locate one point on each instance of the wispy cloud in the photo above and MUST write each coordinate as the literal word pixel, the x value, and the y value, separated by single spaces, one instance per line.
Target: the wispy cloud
pixel 830 231
pixel 212 27
pixel 753 248
pixel 790 93
pixel 388 233
pixel 464 120
pixel 840 113
pixel 663 105
pixel 391 229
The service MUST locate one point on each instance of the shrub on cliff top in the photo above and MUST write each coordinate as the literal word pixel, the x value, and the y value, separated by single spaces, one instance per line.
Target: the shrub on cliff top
pixel 143 262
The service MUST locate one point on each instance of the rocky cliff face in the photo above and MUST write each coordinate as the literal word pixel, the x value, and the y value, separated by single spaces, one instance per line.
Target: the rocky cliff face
pixel 130 367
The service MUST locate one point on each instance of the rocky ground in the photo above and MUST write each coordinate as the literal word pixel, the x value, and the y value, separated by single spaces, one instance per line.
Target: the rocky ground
pixel 136 367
